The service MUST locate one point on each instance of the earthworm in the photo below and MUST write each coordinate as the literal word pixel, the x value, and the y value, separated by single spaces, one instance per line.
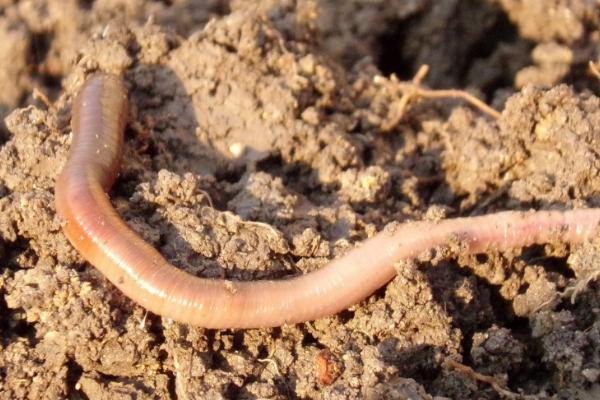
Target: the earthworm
pixel 95 229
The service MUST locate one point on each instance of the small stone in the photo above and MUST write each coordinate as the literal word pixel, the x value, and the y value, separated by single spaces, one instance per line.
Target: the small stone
pixel 591 374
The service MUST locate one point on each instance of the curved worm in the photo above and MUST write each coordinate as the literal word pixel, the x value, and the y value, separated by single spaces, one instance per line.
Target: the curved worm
pixel 95 229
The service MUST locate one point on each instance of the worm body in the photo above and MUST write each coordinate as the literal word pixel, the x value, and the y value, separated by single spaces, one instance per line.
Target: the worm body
pixel 95 229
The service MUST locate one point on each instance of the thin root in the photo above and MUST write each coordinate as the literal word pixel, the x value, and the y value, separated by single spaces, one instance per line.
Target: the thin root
pixel 493 382
pixel 207 197
pixel 37 94
pixel 142 325
pixel 412 91
pixel 594 69
pixel 272 362
pixel 580 286
pixel 263 225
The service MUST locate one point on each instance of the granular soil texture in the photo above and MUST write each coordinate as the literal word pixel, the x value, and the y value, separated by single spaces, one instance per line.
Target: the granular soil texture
pixel 269 137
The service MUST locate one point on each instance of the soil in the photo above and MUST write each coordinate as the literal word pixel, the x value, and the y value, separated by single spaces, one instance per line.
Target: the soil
pixel 264 141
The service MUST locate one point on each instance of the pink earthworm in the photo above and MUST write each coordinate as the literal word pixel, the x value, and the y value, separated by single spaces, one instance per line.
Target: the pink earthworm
pixel 96 230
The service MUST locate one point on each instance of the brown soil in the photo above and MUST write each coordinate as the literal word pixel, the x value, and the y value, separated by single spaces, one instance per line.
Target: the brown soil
pixel 285 114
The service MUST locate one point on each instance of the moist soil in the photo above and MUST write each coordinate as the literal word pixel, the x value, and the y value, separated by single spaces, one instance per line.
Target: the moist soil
pixel 269 137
